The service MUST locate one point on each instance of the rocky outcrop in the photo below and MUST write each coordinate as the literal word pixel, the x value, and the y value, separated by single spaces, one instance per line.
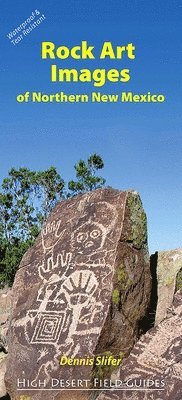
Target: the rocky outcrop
pixel 153 371
pixel 5 312
pixel 80 291
pixel 169 272
pixel 2 374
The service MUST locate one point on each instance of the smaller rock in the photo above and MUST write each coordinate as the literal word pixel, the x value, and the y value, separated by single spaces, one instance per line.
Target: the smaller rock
pixel 5 312
pixel 2 373
pixel 179 280
pixel 153 370
pixel 5 304
pixel 169 264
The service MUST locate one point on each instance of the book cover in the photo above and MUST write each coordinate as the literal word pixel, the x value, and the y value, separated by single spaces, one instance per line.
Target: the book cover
pixel 90 200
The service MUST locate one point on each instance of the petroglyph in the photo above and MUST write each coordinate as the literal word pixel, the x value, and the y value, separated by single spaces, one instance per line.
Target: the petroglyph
pixel 51 234
pixel 48 327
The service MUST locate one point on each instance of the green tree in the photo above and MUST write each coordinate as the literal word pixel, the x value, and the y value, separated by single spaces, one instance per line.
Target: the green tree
pixel 26 199
pixel 86 174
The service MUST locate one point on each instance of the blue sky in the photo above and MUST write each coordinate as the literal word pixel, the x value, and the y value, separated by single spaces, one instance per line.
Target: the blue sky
pixel 141 144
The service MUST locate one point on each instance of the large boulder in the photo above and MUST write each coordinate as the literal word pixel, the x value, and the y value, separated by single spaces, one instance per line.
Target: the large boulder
pixel 153 370
pixel 80 291
pixel 169 267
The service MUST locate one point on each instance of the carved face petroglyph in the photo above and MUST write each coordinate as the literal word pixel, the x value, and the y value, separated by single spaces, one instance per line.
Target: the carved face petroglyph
pixel 88 238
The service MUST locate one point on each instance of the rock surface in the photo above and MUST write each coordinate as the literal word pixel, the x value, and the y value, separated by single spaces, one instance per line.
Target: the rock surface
pixel 5 312
pixel 2 374
pixel 81 290
pixel 156 361
pixel 169 264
